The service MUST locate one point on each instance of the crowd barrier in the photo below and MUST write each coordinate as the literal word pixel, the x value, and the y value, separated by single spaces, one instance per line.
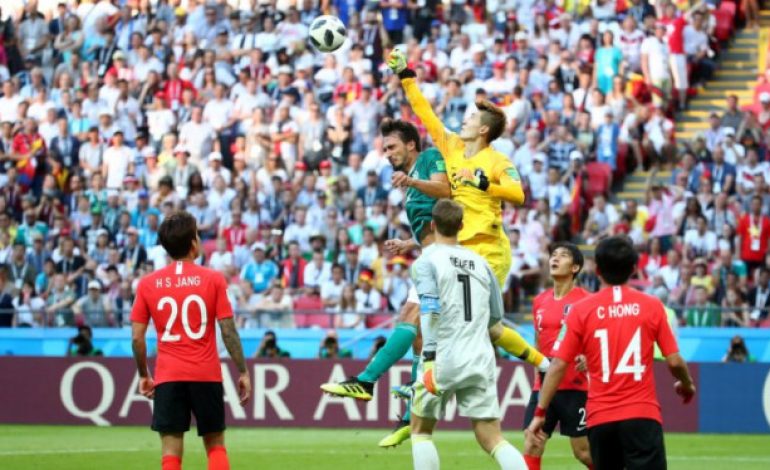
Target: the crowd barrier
pixel 696 344
pixel 731 398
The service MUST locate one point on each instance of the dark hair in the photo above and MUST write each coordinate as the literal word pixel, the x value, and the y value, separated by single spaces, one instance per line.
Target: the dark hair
pixel 574 251
pixel 492 117
pixel 177 234
pixel 407 132
pixel 448 217
pixel 616 259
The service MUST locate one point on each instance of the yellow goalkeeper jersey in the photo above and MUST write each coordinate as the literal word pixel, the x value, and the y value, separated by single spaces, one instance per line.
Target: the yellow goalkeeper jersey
pixel 483 209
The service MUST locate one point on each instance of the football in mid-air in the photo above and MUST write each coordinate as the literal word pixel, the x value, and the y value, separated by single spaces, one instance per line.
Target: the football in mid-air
pixel 327 33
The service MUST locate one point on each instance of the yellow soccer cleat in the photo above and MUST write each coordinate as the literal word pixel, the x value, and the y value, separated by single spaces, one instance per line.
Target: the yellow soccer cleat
pixel 399 435
pixel 351 388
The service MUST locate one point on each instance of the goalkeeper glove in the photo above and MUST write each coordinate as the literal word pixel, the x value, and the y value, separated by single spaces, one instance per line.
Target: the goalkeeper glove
pixel 478 179
pixel 428 374
pixel 397 63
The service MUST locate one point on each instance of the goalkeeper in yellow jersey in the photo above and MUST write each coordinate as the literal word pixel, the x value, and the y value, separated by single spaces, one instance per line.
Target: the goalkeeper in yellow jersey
pixel 479 184
pixel 481 178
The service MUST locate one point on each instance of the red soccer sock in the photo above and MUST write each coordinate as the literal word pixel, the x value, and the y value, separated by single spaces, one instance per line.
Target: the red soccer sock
pixel 533 462
pixel 590 467
pixel 171 462
pixel 218 458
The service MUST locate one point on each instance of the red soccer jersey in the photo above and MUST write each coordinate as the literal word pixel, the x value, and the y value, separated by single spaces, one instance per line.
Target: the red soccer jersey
pixel 675 32
pixel 616 329
pixel 184 300
pixel 754 233
pixel 549 318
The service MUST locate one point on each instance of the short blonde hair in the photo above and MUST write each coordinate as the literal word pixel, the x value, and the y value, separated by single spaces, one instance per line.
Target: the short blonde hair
pixel 492 117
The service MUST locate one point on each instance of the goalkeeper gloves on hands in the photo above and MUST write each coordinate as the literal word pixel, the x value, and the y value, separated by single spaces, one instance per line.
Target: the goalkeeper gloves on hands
pixel 478 179
pixel 397 61
pixel 428 375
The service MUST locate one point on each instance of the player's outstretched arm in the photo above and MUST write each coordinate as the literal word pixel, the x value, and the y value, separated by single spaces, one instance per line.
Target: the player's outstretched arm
pixel 139 348
pixel 232 341
pixel 421 106
pixel 684 385
pixel 509 187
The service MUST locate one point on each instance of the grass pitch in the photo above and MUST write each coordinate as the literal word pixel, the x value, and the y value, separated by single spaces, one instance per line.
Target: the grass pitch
pixel 128 448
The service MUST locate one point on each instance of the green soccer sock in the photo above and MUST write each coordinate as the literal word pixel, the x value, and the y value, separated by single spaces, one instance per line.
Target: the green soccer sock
pixel 408 411
pixel 397 345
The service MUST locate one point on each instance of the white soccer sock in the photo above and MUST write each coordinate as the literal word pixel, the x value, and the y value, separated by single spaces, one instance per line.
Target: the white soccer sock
pixel 424 453
pixel 508 457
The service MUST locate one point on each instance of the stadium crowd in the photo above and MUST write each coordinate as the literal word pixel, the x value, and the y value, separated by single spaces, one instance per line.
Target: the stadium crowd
pixel 115 113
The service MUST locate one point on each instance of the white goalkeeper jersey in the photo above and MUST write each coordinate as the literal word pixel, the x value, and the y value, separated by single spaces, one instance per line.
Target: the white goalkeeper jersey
pixel 469 302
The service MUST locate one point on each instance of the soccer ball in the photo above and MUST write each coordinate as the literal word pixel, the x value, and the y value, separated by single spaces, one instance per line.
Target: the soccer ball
pixel 327 33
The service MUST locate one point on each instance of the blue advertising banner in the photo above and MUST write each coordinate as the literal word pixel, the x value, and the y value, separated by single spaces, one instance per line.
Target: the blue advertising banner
pixel 734 398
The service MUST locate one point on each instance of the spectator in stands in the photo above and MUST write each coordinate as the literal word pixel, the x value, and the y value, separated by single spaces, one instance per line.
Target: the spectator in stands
pixel 60 299
pixel 347 315
pixel 753 232
pixel 331 290
pixel 702 313
pixel 368 299
pixel 759 297
pixel 293 269
pixel 317 272
pixel 94 308
pixel 7 312
pixel 260 271
pixel 660 206
pixel 275 309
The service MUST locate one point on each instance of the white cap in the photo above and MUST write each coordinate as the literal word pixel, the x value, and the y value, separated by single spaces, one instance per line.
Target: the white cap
pixel 764 97
pixel 575 155
pixel 185 74
pixel 180 148
pixel 285 69
pixel 258 246
pixel 539 157
pixel 148 152
pixel 521 35
pixel 215 156
pixel 94 285
pixel 729 131
pixel 478 49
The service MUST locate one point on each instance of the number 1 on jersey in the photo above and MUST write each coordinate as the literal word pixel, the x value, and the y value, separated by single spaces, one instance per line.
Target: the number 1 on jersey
pixel 465 280
pixel 630 362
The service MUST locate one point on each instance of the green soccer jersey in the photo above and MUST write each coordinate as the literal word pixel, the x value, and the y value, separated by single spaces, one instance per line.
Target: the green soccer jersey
pixel 419 206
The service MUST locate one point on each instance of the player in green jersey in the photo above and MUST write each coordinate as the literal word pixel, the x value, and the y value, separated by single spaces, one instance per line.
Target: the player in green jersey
pixel 423 175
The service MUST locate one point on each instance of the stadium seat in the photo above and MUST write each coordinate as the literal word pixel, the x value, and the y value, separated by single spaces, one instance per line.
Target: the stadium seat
pixel 209 247
pixel 728 7
pixel 599 179
pixel 724 24
pixel 621 162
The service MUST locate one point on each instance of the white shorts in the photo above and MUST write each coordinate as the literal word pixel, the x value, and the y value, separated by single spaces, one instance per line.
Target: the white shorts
pixel 678 63
pixel 472 402
pixel 412 297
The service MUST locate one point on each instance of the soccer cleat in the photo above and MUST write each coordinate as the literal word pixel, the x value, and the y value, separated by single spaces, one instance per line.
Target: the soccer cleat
pixel 403 391
pixel 351 388
pixel 399 435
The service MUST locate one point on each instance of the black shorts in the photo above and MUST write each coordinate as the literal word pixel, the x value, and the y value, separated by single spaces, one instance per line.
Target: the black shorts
pixel 176 402
pixel 567 409
pixel 633 444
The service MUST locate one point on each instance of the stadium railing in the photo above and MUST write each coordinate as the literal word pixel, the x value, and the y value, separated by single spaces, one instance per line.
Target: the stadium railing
pixel 314 318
